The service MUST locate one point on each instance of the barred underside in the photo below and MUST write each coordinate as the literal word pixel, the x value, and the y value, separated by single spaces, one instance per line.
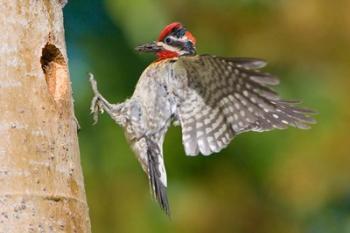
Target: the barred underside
pixel 228 96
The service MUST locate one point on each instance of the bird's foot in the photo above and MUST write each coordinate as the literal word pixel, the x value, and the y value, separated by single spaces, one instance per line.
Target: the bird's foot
pixel 96 103
pixel 99 105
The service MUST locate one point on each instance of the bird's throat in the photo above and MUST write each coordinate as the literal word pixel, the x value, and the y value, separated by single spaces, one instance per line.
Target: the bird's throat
pixel 166 54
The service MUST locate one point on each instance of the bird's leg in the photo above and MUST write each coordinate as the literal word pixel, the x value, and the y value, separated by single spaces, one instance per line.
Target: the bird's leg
pixel 100 104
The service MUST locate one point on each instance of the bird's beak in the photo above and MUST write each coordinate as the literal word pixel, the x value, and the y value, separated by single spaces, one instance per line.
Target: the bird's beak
pixel 149 47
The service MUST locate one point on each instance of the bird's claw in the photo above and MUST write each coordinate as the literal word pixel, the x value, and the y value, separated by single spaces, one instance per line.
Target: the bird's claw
pixel 96 103
pixel 96 108
pixel 99 105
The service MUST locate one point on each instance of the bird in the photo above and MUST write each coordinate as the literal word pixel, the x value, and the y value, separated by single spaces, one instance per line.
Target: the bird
pixel 213 99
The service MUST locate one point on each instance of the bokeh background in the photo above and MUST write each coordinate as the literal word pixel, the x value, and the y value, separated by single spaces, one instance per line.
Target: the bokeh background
pixel 278 182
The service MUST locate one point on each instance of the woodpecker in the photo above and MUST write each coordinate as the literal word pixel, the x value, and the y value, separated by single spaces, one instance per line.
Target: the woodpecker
pixel 212 98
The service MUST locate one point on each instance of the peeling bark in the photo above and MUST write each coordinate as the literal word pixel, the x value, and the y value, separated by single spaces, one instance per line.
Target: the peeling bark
pixel 42 187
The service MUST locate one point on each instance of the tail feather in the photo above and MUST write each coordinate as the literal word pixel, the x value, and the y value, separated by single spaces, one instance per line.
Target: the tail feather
pixel 157 176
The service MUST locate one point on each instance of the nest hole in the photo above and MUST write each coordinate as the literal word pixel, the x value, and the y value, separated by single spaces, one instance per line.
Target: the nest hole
pixel 55 69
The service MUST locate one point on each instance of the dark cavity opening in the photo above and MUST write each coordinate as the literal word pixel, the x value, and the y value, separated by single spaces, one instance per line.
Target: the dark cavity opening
pixel 55 69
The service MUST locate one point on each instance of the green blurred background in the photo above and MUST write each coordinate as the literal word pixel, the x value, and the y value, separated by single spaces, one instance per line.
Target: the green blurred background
pixel 278 182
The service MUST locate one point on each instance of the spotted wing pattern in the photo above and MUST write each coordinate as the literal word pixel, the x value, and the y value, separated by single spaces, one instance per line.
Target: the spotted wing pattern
pixel 228 96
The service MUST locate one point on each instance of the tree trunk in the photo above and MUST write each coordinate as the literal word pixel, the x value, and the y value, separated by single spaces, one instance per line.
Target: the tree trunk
pixel 41 182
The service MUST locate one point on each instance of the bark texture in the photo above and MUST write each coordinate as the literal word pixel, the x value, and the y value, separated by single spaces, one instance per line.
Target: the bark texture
pixel 42 187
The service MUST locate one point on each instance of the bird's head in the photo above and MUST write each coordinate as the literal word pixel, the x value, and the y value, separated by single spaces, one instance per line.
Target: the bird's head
pixel 173 41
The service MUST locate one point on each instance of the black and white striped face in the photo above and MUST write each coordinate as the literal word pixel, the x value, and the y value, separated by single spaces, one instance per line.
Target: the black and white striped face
pixel 174 41
pixel 178 41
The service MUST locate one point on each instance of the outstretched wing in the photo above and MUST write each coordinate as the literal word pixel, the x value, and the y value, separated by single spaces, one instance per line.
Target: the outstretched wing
pixel 228 96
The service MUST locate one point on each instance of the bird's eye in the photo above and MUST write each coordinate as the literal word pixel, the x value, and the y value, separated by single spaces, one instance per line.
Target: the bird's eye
pixel 168 40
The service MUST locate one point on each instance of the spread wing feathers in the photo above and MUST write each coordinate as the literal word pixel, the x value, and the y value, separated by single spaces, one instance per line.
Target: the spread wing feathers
pixel 228 96
pixel 157 175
